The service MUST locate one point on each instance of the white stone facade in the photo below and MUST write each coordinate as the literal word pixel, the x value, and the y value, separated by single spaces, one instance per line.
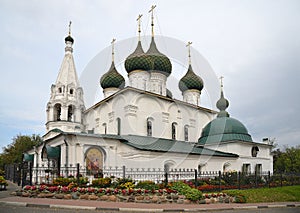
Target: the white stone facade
pixel 111 131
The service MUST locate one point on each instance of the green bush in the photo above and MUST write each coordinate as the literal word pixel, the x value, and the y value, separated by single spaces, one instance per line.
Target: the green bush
pixel 102 182
pixel 62 181
pixel 3 181
pixel 184 189
pixel 149 185
pixel 193 194
pixel 180 187
pixel 122 183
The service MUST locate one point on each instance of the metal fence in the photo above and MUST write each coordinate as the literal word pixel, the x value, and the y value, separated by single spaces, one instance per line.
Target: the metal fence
pixel 26 174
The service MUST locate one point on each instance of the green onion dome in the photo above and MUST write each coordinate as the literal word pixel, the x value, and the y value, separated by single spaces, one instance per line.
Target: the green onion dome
pixel 112 78
pixel 160 62
pixel 69 38
pixel 190 81
pixel 138 60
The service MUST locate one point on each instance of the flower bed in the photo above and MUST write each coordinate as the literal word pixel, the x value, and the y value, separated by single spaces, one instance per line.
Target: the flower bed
pixel 138 195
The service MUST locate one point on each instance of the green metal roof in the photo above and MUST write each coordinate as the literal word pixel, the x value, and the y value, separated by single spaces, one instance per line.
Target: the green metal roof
pixel 49 152
pixel 146 143
pixel 28 157
pixel 167 145
pixel 223 129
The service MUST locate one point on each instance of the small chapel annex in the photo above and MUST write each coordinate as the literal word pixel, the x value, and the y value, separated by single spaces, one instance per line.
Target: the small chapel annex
pixel 141 125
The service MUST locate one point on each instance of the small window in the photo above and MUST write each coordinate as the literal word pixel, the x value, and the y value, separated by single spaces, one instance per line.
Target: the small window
pixel 70 113
pixel 186 133
pixel 246 169
pixel 105 128
pixel 57 112
pixel 119 126
pixel 254 151
pixel 258 169
pixel 174 131
pixel 60 90
pixel 71 91
pixel 149 127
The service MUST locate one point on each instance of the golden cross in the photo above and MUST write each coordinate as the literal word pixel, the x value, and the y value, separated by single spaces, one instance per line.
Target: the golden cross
pixel 221 80
pixel 189 50
pixel 152 18
pixel 70 27
pixel 139 23
pixel 113 49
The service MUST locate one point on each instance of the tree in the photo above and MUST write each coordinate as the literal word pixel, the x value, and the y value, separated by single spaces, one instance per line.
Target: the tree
pixel 287 160
pixel 13 153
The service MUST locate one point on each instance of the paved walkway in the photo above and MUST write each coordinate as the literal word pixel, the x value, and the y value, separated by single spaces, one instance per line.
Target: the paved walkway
pixel 130 207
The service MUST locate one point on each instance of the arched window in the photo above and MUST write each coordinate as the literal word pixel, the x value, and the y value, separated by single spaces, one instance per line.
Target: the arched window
pixel 119 126
pixel 226 166
pixel 174 131
pixel 60 90
pixel 71 91
pixel 149 127
pixel 57 112
pixel 186 133
pixel 168 166
pixel 254 151
pixel 70 113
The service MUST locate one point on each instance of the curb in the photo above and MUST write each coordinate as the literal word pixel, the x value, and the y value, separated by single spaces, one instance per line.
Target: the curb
pixel 22 204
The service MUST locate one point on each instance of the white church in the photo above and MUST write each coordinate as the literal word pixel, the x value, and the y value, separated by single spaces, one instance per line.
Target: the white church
pixel 140 125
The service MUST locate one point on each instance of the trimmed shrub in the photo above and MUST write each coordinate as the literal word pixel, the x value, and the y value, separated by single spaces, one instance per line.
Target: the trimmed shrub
pixel 184 189
pixel 102 182
pixel 193 194
pixel 149 185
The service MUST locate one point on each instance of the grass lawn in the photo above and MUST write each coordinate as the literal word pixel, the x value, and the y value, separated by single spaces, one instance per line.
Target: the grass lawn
pixel 278 194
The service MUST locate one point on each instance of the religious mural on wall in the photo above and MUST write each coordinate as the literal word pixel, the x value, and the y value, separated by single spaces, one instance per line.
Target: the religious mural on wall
pixel 94 161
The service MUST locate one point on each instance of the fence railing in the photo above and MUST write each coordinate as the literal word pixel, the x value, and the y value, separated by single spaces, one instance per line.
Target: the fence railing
pixel 204 181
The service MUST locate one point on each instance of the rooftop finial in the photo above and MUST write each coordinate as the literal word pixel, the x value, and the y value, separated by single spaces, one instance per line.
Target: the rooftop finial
pixel 222 103
pixel 139 23
pixel 113 49
pixel 221 82
pixel 189 50
pixel 70 27
pixel 152 18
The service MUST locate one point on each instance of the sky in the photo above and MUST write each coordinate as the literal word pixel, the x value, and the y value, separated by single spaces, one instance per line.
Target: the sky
pixel 254 44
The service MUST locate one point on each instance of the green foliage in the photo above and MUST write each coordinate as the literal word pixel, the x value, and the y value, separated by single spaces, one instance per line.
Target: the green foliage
pixel 127 185
pixel 193 194
pixel 288 160
pixel 123 183
pixel 184 189
pixel 3 181
pixel 147 184
pixel 102 182
pixel 62 181
pixel 180 187
pixel 263 195
pixel 13 153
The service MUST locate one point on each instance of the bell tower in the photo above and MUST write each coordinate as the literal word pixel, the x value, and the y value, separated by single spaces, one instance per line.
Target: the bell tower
pixel 66 105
